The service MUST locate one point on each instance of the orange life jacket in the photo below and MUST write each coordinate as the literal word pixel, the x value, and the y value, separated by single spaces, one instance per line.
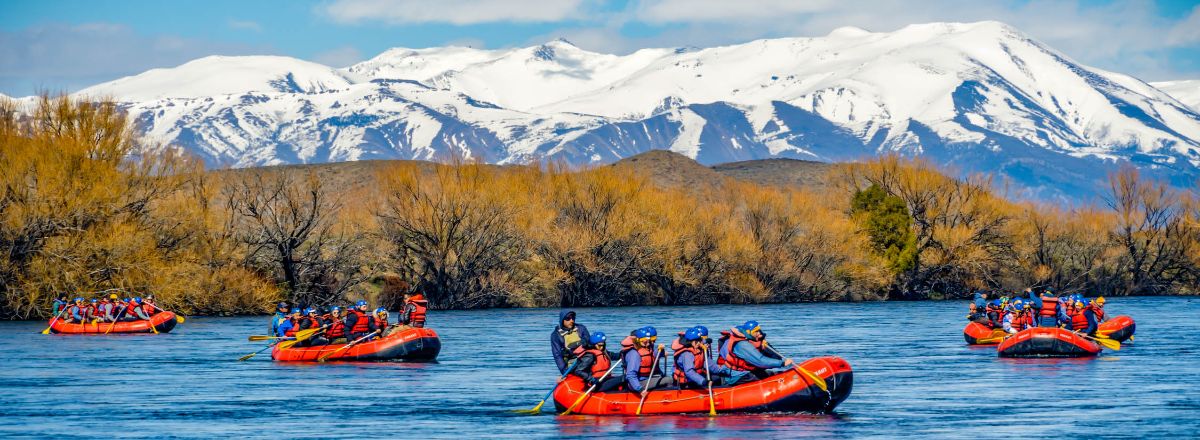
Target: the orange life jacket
pixel 1021 321
pixel 362 323
pixel 1049 306
pixel 417 317
pixel 680 377
pixel 647 360
pixel 336 329
pixel 295 327
pixel 1098 311
pixel 602 363
pixel 729 358
pixel 380 323
pixel 1078 320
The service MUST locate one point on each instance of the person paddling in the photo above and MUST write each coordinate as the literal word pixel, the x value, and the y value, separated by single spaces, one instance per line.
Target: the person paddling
pixel 741 349
pixel 640 363
pixel 413 312
pixel 690 363
pixel 281 314
pixel 76 312
pixel 1020 319
pixel 381 322
pixel 358 322
pixel 336 333
pixel 595 362
pixel 567 340
pixel 140 310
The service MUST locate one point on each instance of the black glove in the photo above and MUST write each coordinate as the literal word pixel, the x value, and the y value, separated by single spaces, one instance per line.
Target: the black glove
pixel 593 381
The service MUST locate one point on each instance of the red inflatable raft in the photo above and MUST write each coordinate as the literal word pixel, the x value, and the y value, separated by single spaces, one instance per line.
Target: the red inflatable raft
pixel 787 391
pixel 1047 342
pixel 163 321
pixel 1120 328
pixel 410 344
pixel 979 334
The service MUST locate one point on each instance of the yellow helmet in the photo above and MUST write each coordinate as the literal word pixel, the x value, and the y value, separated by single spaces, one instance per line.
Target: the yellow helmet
pixel 1099 301
pixel 112 296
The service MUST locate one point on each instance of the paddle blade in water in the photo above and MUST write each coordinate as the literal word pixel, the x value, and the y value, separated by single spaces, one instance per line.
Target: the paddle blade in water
pixel 179 319
pixel 1109 344
pixel 255 338
pixel 247 356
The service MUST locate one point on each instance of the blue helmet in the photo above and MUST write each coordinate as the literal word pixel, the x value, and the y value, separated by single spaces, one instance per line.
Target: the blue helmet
pixel 78 299
pixel 651 330
pixel 335 309
pixel 596 338
pixel 138 300
pixel 749 325
pixel 380 310
pixel 360 303
pixel 310 310
pixel 692 334
pixel 641 333
pixel 283 305
pixel 702 329
pixel 95 300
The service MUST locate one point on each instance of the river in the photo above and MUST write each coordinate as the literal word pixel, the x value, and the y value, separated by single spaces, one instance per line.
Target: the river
pixel 914 376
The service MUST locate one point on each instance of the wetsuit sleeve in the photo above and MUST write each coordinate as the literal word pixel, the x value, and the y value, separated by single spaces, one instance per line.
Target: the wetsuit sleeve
pixel 583 366
pixel 633 363
pixel 749 354
pixel 1091 320
pixel 556 348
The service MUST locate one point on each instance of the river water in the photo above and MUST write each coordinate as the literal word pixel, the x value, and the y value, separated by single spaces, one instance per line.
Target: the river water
pixel 914 376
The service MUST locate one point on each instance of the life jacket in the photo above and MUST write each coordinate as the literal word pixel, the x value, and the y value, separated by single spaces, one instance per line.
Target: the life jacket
pixel 381 323
pixel 602 363
pixel 698 357
pixel 1078 320
pixel 362 324
pixel 729 358
pixel 1021 321
pixel 647 360
pixel 130 308
pixel 295 327
pixel 149 309
pixel 313 322
pixel 336 329
pixel 76 309
pixel 1098 311
pixel 1049 306
pixel 572 343
pixel 416 318
pixel 89 311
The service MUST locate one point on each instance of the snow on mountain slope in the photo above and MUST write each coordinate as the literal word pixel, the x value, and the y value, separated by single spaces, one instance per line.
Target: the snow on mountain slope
pixel 978 97
pixel 221 75
pixel 1186 91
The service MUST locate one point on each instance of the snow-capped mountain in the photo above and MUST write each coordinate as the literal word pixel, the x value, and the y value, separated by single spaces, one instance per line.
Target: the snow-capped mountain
pixel 1186 91
pixel 978 97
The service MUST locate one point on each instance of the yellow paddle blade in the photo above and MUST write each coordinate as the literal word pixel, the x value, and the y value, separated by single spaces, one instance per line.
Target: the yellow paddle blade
pixel 286 344
pixel 816 379
pixel 247 356
pixel 255 338
pixel 1109 343
pixel 179 319
pixel 534 410
pixel 46 331
pixel 305 334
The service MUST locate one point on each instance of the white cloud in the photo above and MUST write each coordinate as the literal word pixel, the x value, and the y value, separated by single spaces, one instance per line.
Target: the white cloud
pixel 459 12
pixel 339 57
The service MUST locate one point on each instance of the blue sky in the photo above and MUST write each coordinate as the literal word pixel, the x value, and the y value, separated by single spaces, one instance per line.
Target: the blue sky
pixel 67 45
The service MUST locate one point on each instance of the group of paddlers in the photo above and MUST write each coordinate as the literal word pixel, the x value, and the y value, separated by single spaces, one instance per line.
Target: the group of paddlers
pixel 111 308
pixel 1029 309
pixel 339 325
pixel 743 355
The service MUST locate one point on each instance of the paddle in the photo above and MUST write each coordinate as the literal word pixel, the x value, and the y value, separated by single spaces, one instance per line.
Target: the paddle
pixel 1110 344
pixel 116 317
pixel 52 321
pixel 593 388
pixel 817 380
pixel 653 369
pixel 268 347
pixel 712 401
pixel 178 318
pixel 538 408
pixel 356 341
pixel 256 338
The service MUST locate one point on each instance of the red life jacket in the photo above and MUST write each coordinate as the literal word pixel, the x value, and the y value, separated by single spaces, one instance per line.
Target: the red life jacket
pixel 380 323
pixel 647 360
pixel 1049 306
pixel 313 322
pixel 295 327
pixel 417 317
pixel 730 359
pixel 149 309
pixel 130 308
pixel 1098 311
pixel 362 324
pixel 336 330
pixel 680 377
pixel 602 363
pixel 1078 320
pixel 89 311
pixel 1021 321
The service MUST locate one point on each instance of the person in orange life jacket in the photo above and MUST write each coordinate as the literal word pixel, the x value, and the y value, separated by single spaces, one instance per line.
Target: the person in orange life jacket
pixel 995 313
pixel 104 309
pixel 567 340
pixel 690 364
pixel 1019 319
pixel 381 322
pixel 413 312
pixel 358 322
pixel 77 312
pixel 138 310
pixel 1094 314
pixel 1048 311
pixel 336 331
pixel 90 311
pixel 639 363
pixel 741 350
pixel 595 362
pixel 281 313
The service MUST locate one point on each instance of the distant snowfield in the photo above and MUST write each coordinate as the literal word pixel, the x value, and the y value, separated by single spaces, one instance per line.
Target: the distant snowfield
pixel 978 97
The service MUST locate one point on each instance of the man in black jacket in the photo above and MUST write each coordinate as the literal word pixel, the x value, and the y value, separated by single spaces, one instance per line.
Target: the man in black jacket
pixel 567 340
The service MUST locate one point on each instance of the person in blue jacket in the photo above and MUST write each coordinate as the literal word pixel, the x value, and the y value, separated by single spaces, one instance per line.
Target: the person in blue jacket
pixel 639 362
pixel 281 313
pixel 692 369
pixel 743 351
pixel 60 304
pixel 567 340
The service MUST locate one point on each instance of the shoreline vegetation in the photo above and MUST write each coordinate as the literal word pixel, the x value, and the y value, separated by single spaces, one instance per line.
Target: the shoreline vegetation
pixel 86 206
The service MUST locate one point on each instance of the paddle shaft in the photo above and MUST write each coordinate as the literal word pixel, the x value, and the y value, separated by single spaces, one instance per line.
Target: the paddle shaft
pixel 593 387
pixel 272 344
pixel 52 321
pixel 712 401
pixel 816 380
pixel 356 341
pixel 570 367
pixel 646 385
pixel 116 317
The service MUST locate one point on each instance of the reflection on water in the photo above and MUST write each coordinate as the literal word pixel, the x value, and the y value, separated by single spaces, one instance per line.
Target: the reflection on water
pixel 914 376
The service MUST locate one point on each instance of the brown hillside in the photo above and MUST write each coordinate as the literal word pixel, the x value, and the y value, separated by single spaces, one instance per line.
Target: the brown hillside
pixel 779 172
pixel 672 170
